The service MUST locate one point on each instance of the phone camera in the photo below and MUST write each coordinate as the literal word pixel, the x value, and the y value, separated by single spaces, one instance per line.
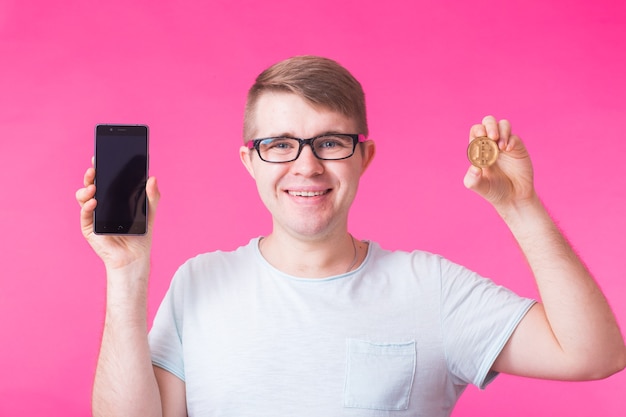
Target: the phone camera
pixel 110 129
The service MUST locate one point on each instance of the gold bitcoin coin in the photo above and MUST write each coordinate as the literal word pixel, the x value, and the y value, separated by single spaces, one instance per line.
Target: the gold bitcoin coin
pixel 482 152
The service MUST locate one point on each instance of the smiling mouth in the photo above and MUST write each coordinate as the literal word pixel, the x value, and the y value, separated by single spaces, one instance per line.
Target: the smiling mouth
pixel 307 193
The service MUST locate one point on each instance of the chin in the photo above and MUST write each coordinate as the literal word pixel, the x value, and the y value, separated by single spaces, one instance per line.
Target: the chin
pixel 310 229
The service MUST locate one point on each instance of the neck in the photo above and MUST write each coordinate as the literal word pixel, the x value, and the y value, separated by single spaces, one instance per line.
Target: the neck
pixel 313 258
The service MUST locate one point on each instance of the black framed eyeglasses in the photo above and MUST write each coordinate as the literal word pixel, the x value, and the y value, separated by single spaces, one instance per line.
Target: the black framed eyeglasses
pixel 328 147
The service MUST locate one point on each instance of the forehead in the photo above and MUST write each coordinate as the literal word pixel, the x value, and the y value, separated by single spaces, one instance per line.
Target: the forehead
pixel 280 113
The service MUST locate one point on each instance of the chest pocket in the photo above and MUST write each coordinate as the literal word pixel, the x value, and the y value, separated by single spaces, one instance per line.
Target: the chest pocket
pixel 379 376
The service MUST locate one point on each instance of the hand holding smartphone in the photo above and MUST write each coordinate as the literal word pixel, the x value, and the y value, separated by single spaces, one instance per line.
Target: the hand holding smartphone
pixel 121 163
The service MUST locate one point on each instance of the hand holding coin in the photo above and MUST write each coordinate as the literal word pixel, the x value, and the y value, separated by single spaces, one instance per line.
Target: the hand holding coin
pixel 483 152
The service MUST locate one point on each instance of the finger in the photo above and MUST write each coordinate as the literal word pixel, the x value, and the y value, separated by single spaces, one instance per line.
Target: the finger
pixel 88 207
pixel 477 131
pixel 86 216
pixel 154 196
pixel 89 176
pixel 516 144
pixel 152 190
pixel 505 132
pixel 491 127
pixel 473 180
pixel 85 194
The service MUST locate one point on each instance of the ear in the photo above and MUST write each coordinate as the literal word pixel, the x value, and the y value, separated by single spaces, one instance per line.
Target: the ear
pixel 368 151
pixel 246 159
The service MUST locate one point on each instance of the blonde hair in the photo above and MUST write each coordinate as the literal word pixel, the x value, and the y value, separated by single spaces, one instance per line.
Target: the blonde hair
pixel 320 81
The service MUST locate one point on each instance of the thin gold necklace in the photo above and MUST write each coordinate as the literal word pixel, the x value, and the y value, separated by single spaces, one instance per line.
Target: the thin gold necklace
pixel 356 255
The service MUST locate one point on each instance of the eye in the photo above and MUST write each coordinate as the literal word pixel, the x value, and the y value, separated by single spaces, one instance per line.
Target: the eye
pixel 328 144
pixel 279 144
pixel 334 142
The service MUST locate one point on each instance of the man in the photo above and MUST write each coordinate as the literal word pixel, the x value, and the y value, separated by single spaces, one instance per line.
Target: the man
pixel 310 321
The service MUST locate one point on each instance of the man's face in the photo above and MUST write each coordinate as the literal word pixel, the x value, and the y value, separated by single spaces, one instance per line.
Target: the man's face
pixel 308 198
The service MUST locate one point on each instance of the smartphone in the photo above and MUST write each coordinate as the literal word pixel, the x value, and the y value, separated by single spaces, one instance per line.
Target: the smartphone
pixel 121 163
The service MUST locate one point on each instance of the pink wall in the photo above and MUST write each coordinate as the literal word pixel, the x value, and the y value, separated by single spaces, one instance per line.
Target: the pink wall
pixel 555 68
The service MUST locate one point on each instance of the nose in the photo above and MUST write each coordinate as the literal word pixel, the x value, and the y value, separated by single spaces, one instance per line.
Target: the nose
pixel 307 163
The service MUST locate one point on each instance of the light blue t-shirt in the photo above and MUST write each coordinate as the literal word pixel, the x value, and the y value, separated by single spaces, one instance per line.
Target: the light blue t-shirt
pixel 402 335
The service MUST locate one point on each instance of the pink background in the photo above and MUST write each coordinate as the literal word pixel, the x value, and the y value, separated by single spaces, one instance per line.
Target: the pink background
pixel 555 68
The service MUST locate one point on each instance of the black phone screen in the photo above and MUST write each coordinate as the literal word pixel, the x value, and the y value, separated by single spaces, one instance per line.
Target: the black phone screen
pixel 121 162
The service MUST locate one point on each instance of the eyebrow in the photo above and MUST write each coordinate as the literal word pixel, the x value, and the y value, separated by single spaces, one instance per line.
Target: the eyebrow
pixel 293 136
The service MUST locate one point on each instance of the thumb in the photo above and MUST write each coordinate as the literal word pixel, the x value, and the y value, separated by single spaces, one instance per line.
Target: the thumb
pixel 154 196
pixel 473 180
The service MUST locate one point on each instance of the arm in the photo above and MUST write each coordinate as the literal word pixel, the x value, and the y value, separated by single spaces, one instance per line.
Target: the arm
pixel 572 334
pixel 125 382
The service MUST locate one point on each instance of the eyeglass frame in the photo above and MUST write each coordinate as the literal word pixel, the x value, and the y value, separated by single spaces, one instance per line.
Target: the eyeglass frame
pixel 356 139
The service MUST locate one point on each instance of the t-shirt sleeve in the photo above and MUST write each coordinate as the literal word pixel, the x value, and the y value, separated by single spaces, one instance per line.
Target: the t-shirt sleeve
pixel 165 337
pixel 478 318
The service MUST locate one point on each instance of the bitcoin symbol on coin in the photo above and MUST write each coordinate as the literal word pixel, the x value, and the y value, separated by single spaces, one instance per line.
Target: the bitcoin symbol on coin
pixel 482 152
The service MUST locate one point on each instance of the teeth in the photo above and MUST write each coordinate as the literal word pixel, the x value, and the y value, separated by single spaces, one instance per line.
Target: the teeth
pixel 306 193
